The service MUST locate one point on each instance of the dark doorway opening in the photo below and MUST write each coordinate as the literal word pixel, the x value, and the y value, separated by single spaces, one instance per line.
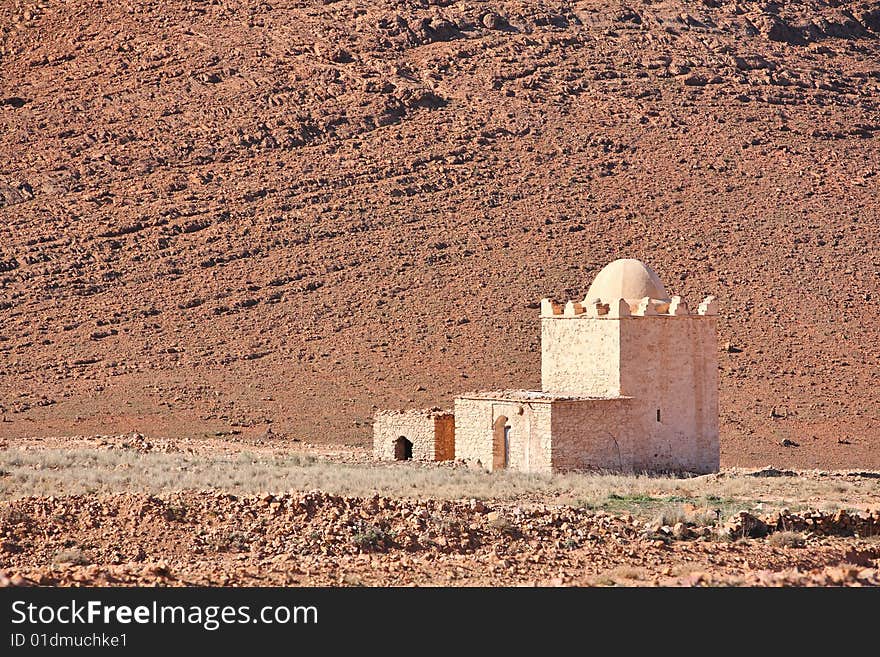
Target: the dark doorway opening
pixel 402 449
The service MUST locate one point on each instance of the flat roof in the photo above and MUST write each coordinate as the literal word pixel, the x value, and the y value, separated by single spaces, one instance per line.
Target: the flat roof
pixel 531 396
pixel 434 411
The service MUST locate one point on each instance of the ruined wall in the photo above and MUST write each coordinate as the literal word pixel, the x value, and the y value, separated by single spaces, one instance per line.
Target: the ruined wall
pixel 418 426
pixel 580 356
pixel 593 434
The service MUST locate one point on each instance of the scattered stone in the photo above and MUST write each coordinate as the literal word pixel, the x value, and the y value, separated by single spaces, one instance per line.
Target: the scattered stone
pixel 494 21
pixel 13 101
pixel 681 531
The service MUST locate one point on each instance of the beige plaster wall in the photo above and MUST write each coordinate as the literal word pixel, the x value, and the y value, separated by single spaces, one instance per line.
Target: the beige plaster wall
pixel 580 356
pixel 473 430
pixel 479 433
pixel 670 364
pixel 664 362
pixel 636 365
pixel 593 434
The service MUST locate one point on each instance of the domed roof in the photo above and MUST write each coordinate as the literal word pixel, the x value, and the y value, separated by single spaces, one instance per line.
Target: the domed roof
pixel 626 278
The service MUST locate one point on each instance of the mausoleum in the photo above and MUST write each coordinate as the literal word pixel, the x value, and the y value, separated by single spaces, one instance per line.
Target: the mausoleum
pixel 629 382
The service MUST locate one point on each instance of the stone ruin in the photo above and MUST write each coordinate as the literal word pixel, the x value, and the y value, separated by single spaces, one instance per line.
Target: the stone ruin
pixel 421 435
pixel 629 382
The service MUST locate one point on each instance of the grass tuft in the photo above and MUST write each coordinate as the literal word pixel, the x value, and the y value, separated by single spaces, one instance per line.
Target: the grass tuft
pixel 71 556
pixel 787 539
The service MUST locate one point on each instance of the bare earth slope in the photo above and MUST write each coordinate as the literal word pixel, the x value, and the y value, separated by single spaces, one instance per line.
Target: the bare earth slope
pixel 223 216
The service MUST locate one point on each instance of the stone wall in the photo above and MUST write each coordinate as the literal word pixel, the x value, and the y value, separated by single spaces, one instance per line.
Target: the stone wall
pixel 669 366
pixel 473 430
pixel 627 385
pixel 593 434
pixel 561 435
pixel 431 432
pixel 480 433
pixel 667 363
pixel 538 457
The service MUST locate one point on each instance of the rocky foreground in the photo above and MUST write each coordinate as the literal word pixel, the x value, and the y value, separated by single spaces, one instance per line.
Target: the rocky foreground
pixel 319 539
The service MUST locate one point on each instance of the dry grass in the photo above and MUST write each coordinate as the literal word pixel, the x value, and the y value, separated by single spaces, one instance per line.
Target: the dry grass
pixel 787 539
pixel 621 576
pixel 675 513
pixel 73 556
pixel 42 472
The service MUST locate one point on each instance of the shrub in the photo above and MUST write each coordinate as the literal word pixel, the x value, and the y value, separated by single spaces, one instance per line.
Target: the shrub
pixel 787 539
pixel 503 525
pixel 621 576
pixel 234 541
pixel 175 512
pixel 371 538
pixel 670 515
pixel 72 556
pixel 11 516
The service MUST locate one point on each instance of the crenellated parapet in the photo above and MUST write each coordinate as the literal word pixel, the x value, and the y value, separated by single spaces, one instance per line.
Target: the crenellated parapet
pixel 709 306
pixel 550 307
pixel 619 308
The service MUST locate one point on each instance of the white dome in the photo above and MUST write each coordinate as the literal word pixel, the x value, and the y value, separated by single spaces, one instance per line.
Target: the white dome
pixel 628 279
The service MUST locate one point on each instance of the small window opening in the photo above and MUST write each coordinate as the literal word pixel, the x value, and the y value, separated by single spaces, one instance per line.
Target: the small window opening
pixel 658 414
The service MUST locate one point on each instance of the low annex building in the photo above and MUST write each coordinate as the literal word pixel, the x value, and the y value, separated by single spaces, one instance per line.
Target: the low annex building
pixel 629 382
pixel 422 435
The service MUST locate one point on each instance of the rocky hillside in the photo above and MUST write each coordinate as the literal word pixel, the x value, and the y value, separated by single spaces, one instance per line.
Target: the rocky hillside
pixel 228 216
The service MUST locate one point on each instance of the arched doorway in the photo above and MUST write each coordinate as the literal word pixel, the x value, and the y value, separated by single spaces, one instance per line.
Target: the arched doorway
pixel 500 443
pixel 402 449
